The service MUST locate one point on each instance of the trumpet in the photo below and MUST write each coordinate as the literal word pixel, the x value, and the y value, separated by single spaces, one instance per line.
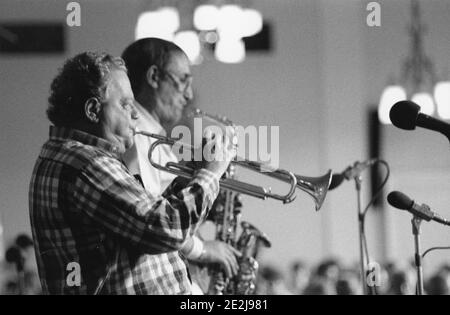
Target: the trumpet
pixel 316 187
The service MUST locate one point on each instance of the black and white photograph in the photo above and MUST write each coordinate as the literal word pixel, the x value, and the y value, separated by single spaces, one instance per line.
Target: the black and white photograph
pixel 240 148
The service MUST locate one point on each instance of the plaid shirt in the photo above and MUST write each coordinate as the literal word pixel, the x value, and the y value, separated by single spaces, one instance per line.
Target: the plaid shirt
pixel 87 210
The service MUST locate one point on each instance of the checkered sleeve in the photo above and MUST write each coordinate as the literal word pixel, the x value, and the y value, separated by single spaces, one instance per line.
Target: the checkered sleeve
pixel 107 193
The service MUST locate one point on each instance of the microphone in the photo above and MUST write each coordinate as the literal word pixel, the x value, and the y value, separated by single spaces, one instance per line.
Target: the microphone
pixel 357 168
pixel 406 115
pixel 401 201
pixel 336 180
pixel 350 172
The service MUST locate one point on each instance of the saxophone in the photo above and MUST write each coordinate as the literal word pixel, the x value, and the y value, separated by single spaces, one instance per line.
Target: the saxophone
pixel 227 213
pixel 249 242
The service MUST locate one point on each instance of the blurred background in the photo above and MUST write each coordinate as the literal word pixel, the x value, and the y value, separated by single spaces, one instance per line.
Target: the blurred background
pixel 316 68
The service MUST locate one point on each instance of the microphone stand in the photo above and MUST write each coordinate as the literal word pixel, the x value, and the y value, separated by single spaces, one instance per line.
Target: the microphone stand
pixel 363 263
pixel 355 173
pixel 415 222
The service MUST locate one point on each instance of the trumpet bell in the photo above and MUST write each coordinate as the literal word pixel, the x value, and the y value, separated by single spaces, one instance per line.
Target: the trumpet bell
pixel 316 187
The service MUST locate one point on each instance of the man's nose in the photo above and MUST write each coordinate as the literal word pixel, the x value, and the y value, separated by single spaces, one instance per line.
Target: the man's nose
pixel 189 93
pixel 134 113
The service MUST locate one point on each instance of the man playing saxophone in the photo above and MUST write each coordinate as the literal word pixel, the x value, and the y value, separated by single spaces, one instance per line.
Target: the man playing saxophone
pixel 161 80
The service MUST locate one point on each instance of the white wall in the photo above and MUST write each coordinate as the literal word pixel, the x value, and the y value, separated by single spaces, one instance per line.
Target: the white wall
pixel 343 116
pixel 326 68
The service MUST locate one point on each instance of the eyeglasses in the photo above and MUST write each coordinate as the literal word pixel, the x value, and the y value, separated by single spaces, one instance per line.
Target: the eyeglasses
pixel 181 84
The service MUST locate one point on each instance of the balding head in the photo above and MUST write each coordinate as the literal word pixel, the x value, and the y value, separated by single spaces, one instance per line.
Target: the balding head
pixel 144 53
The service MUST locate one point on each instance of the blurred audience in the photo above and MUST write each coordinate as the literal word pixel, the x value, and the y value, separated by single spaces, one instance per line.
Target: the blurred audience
pixel 348 282
pixel 330 277
pixel 271 282
pixel 19 274
pixel 298 277
pixel 439 283
pixel 324 279
pixel 402 283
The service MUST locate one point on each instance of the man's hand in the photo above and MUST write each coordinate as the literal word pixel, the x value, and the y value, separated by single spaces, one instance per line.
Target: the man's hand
pixel 220 150
pixel 222 254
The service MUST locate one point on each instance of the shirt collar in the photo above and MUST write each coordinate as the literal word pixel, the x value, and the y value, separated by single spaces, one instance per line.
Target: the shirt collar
pixel 63 133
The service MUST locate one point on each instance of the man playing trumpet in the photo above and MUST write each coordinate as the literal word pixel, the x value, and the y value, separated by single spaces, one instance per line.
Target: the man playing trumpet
pixel 88 212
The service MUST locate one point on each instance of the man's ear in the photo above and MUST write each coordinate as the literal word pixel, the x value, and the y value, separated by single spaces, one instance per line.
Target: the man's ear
pixel 152 76
pixel 92 109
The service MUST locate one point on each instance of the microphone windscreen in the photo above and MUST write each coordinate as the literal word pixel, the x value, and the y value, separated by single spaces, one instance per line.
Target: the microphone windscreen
pixel 404 115
pixel 399 200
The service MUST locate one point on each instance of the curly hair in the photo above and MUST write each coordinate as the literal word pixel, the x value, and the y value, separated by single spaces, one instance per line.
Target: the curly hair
pixel 82 77
pixel 145 52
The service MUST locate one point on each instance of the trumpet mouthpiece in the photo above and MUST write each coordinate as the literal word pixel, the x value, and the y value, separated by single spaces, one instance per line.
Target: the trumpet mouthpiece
pixel 136 130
